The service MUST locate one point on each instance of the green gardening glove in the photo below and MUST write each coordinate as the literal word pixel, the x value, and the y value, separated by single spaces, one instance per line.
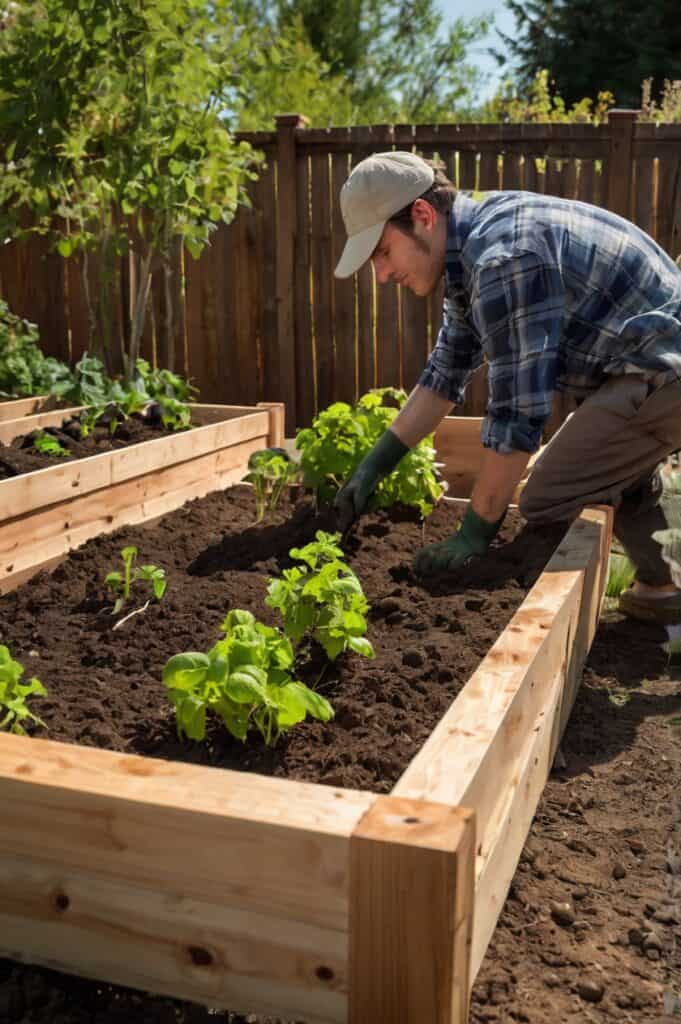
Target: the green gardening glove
pixel 470 541
pixel 354 495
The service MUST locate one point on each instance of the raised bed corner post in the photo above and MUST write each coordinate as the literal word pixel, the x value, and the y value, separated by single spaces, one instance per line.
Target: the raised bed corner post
pixel 287 127
pixel 412 868
pixel 277 415
pixel 621 125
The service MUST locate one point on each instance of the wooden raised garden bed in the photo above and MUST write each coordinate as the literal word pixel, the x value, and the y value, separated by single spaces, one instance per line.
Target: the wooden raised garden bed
pixel 15 408
pixel 293 899
pixel 57 508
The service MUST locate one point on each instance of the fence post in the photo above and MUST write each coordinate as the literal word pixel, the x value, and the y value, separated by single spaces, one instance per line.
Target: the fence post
pixel 287 126
pixel 621 125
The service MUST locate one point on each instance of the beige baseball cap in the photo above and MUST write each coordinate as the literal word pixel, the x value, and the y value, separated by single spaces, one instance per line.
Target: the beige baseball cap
pixel 377 188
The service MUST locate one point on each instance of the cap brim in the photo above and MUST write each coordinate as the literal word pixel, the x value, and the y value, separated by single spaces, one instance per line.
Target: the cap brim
pixel 358 249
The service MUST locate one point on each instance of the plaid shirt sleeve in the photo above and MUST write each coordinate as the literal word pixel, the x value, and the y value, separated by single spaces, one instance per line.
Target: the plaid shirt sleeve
pixel 455 356
pixel 517 308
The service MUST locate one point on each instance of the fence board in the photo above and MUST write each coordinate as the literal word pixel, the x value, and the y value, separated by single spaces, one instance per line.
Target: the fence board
pixel 264 201
pixel 344 291
pixel 585 183
pixel 489 171
pixel 644 211
pixel 306 368
pixel 366 286
pixel 669 204
pixel 467 171
pixel 512 172
pixel 320 239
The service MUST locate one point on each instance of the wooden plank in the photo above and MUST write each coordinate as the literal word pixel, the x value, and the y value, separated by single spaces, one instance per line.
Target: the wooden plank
pixel 248 279
pixel 669 204
pixel 306 383
pixel 344 293
pixel 552 185
pixel 388 336
pixel 288 127
pixel 22 494
pixel 585 183
pixel 411 907
pixel 512 171
pixel 366 301
pixel 644 195
pixel 14 408
pixel 105 875
pixel 467 171
pixel 264 198
pixel 489 170
pixel 621 125
pixel 507 721
pixel 322 288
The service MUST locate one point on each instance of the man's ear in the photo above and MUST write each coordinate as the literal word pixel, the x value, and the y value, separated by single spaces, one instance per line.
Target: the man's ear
pixel 423 213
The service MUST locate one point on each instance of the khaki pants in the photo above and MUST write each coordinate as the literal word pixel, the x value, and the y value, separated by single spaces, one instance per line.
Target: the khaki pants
pixel 607 452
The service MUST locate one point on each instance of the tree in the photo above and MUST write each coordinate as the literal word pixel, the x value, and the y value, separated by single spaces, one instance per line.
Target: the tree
pixel 114 138
pixel 385 60
pixel 587 47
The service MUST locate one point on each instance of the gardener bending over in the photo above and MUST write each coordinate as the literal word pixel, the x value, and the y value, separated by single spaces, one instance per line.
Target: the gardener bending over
pixel 555 295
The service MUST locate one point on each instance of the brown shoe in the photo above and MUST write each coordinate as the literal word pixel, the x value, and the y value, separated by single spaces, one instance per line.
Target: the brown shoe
pixel 666 611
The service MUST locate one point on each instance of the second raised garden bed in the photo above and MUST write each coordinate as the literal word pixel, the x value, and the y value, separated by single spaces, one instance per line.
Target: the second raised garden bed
pixel 45 513
pixel 308 901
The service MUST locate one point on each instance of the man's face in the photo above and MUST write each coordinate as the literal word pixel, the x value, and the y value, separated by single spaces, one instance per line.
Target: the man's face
pixel 415 262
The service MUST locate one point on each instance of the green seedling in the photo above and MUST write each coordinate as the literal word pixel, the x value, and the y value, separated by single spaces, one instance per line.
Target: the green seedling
pixel 13 694
pixel 620 575
pixel 245 679
pixel 322 597
pixel 340 437
pixel 270 472
pixel 120 583
pixel 48 445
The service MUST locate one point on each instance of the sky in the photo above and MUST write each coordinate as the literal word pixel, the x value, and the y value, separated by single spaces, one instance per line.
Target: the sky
pixel 503 18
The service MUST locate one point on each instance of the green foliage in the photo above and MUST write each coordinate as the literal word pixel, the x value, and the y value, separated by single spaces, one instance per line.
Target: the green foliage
pixel 356 61
pixel 668 110
pixel 542 103
pixel 48 445
pixel 245 679
pixel 24 370
pixel 340 437
pixel 620 575
pixel 120 108
pixel 120 583
pixel 270 472
pixel 13 694
pixel 323 597
pixel 611 46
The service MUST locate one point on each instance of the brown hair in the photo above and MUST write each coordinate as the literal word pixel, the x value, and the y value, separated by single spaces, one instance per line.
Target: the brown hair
pixel 440 195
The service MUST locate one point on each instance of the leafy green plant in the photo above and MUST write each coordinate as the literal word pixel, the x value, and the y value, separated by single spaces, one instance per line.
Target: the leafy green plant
pixel 245 679
pixel 340 437
pixel 120 583
pixel 13 694
pixel 620 575
pixel 24 369
pixel 158 384
pixel 48 445
pixel 270 471
pixel 322 597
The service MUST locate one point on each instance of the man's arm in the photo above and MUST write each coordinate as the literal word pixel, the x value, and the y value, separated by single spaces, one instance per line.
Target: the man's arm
pixel 497 480
pixel 420 415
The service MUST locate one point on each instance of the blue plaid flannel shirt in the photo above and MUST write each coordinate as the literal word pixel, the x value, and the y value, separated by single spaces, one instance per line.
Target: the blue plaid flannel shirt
pixel 556 295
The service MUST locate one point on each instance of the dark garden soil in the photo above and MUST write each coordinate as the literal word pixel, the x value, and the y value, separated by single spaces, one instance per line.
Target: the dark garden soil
pixel 21 457
pixel 599 840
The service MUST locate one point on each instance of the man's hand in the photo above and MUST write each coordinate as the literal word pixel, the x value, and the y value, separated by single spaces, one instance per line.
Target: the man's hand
pixel 471 541
pixel 353 497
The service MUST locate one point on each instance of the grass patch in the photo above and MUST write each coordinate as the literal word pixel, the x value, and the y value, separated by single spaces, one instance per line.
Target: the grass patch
pixel 620 575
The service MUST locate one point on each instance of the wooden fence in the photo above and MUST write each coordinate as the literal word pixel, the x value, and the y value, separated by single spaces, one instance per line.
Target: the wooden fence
pixel 261 317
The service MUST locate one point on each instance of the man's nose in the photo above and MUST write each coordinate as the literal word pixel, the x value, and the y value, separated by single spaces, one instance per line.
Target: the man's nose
pixel 382 270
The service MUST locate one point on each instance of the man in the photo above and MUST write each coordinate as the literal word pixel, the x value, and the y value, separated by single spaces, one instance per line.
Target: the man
pixel 554 295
